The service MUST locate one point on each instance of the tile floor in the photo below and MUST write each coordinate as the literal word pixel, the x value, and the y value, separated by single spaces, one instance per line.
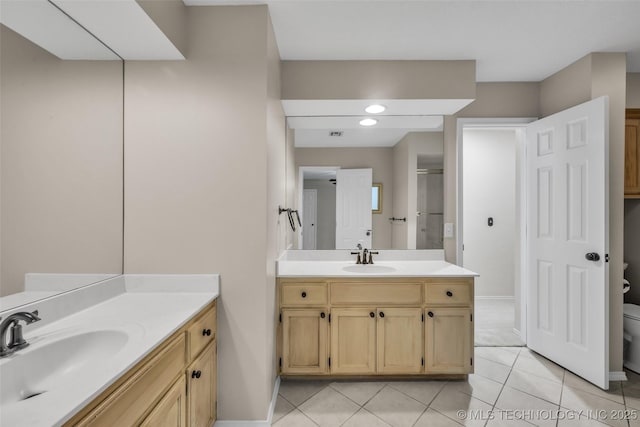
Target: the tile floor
pixel 512 386
pixel 494 320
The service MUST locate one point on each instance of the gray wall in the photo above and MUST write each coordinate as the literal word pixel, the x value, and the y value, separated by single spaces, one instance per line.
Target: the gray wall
pixel 326 212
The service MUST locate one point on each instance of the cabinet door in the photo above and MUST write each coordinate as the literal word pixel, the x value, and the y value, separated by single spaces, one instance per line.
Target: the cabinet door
pixel 171 411
pixel 304 341
pixel 448 340
pixel 632 157
pixel 202 377
pixel 353 340
pixel 400 347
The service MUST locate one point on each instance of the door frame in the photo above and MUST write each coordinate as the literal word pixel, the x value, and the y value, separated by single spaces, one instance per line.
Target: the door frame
pixel 518 124
pixel 300 191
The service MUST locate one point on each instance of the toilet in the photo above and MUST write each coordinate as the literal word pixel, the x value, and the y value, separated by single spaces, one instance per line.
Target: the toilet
pixel 631 326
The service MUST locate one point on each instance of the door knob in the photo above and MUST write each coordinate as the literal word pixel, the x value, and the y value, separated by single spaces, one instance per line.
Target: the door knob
pixel 592 256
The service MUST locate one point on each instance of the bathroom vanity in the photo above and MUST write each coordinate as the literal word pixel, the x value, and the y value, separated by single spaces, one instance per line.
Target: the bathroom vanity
pixel 133 350
pixel 395 318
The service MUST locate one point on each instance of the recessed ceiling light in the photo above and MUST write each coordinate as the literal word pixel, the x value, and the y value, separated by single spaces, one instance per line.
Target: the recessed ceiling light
pixel 368 122
pixel 375 109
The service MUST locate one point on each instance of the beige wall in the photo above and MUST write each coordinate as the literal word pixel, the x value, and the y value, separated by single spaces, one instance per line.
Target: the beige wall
pixel 204 173
pixel 378 79
pixel 405 165
pixel 501 100
pixel 600 74
pixel 633 90
pixel 379 159
pixel 61 164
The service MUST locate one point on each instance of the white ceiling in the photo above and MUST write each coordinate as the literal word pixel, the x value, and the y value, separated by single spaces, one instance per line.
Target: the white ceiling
pixel 518 40
pixel 315 131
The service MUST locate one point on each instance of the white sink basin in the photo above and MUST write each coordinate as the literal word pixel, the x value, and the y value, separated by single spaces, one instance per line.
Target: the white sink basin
pixel 34 371
pixel 368 269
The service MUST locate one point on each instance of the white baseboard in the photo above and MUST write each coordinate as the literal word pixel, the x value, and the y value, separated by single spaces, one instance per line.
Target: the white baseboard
pixel 254 423
pixel 618 376
pixel 494 297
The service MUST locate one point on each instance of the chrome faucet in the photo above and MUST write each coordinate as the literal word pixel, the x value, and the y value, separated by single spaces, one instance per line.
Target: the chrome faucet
pixel 12 324
pixel 365 251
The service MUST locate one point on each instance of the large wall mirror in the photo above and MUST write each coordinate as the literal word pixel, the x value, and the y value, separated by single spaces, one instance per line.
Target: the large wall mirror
pixel 61 171
pixel 341 165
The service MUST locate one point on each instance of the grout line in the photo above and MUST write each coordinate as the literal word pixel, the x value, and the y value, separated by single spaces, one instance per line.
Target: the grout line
pixel 413 398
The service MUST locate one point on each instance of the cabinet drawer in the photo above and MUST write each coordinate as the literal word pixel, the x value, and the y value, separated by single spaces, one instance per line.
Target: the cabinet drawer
pixel 299 294
pixel 202 332
pixel 449 292
pixel 376 293
pixel 126 405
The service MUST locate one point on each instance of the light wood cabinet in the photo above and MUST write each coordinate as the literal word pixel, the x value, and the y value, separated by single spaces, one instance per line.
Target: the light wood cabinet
pixel 375 326
pixel 171 411
pixel 632 154
pixel 159 390
pixel 353 341
pixel 201 377
pixel 304 341
pixel 400 344
pixel 447 340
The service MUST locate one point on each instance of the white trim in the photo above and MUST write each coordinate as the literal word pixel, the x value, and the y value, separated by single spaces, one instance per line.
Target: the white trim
pixel 617 376
pixel 254 423
pixel 494 297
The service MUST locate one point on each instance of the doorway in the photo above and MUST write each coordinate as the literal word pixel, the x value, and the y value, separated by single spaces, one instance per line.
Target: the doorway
pixel 491 234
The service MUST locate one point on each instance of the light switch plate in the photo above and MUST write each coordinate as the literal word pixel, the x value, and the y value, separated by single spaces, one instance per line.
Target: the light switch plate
pixel 448 230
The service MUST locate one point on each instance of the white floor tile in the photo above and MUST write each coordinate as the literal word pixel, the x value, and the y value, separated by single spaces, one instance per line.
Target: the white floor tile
pixel 328 408
pixel 614 393
pixel 537 386
pixel 432 418
pixel 283 407
pixel 462 408
pixel 358 391
pixel 295 418
pixel 532 409
pixel 297 392
pixel 492 370
pixel 479 387
pixel 395 408
pixel 364 418
pixel 504 355
pixel 535 364
pixel 422 391
pixel 589 403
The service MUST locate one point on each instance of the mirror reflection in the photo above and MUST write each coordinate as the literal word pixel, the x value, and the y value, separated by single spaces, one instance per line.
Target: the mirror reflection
pixel 61 193
pixel 338 161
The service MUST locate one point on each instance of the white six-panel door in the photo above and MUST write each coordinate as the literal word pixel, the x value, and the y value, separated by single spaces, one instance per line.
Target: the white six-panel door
pixel 353 208
pixel 567 218
pixel 309 218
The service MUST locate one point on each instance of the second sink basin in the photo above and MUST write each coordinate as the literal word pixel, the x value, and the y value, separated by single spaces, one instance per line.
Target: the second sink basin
pixel 34 371
pixel 368 269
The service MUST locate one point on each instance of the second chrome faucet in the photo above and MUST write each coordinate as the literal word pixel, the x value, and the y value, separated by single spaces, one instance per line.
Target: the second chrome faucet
pixel 366 257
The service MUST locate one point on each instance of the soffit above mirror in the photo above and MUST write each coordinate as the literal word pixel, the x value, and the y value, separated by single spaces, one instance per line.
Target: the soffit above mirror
pixel 346 131
pixel 89 30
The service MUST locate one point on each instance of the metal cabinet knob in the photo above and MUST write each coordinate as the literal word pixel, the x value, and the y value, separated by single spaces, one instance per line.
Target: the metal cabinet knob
pixel 430 314
pixel 322 315
pixel 206 332
pixel 382 314
pixel 303 294
pixel 372 314
pixel 449 294
pixel 196 374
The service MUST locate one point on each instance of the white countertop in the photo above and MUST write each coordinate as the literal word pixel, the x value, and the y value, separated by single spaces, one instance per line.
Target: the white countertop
pixel 147 314
pixel 395 269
